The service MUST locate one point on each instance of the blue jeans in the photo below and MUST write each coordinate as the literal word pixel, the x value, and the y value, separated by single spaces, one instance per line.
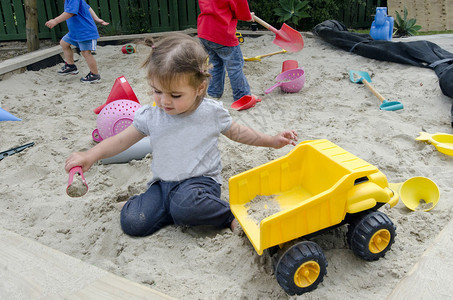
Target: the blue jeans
pixel 194 201
pixel 230 59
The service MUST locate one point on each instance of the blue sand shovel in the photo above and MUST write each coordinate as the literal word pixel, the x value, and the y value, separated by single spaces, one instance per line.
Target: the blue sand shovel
pixel 6 116
pixel 364 77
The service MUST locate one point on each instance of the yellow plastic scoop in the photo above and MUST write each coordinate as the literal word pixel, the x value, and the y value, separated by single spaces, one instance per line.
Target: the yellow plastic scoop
pixel 417 193
pixel 442 141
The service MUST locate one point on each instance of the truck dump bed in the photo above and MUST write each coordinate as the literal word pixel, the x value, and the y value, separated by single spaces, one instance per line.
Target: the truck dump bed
pixel 307 190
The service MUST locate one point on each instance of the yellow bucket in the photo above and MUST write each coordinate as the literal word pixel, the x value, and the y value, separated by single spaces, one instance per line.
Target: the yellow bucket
pixel 419 193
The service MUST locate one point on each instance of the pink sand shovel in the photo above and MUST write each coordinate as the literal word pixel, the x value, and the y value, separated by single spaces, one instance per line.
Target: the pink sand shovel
pixel 79 187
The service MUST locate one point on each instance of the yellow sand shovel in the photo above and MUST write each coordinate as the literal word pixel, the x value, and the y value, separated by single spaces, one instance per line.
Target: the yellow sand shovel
pixel 442 141
pixel 258 58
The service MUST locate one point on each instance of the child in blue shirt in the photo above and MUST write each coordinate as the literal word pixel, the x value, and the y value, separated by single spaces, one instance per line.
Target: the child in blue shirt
pixel 83 33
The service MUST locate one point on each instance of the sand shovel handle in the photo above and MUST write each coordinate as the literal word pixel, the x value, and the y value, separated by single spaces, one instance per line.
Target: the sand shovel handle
pixel 264 24
pixel 376 93
pixel 273 53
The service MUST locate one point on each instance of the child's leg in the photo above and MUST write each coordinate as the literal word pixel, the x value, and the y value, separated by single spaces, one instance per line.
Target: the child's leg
pixel 91 61
pixel 86 47
pixel 67 52
pixel 146 213
pixel 217 82
pixel 234 67
pixel 196 201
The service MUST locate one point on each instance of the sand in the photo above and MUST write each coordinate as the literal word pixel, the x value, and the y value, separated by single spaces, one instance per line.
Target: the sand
pixel 206 263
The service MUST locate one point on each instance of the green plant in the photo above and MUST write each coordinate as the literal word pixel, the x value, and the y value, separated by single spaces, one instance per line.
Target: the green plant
pixel 405 27
pixel 322 10
pixel 292 11
pixel 137 17
pixel 265 10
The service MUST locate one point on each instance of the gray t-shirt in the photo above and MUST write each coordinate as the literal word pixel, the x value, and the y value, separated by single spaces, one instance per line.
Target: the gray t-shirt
pixel 186 145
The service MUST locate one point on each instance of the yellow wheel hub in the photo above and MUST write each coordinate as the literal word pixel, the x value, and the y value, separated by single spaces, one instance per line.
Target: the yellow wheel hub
pixel 379 241
pixel 307 274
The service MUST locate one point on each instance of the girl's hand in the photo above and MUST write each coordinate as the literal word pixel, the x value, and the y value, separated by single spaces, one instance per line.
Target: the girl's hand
pixel 284 138
pixel 76 159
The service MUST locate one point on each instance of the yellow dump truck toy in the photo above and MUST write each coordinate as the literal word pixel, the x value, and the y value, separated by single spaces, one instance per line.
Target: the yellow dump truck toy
pixel 317 186
pixel 239 37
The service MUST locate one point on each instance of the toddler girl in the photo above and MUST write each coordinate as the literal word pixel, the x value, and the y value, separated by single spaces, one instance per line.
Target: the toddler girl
pixel 183 130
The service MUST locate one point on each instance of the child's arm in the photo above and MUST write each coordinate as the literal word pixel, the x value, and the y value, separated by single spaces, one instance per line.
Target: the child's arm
pixel 97 19
pixel 107 148
pixel 61 18
pixel 241 11
pixel 245 135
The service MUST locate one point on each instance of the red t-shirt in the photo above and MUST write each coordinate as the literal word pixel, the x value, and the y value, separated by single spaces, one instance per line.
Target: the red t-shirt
pixel 218 19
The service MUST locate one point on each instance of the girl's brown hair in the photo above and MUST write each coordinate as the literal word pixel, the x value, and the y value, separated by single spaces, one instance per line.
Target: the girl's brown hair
pixel 176 55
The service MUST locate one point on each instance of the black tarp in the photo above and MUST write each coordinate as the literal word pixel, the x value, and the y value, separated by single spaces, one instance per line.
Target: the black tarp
pixel 416 53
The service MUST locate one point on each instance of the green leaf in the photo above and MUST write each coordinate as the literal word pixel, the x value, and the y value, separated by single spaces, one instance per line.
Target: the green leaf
pixel 279 11
pixel 411 23
pixel 286 5
pixel 405 13
pixel 399 21
pixel 301 5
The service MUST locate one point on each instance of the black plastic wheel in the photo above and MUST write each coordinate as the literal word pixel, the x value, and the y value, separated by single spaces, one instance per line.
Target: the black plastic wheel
pixel 371 236
pixel 301 268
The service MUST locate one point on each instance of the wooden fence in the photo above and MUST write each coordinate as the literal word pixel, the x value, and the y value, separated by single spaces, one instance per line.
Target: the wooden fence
pixel 360 13
pixel 125 16
pixel 132 16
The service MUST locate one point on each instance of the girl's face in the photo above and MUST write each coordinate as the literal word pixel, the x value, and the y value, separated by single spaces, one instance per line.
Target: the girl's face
pixel 181 97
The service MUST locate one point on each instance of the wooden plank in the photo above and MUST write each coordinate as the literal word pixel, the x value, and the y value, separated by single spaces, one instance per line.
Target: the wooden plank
pixel 362 15
pixel 9 17
pixel 58 9
pixel 431 277
pixel 115 12
pixel 182 12
pixel 27 59
pixel 12 37
pixel 124 21
pixel 154 14
pixel 163 13
pixel 104 12
pixel 131 37
pixel 174 15
pixel 192 12
pixel 2 28
pixel 35 271
pixel 144 4
pixel 20 15
pixel 94 5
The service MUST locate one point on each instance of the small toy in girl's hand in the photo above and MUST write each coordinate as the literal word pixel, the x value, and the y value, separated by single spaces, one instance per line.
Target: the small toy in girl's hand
pixel 77 185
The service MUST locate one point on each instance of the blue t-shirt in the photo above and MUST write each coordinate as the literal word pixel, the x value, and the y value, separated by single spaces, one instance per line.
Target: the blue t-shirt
pixel 184 146
pixel 81 25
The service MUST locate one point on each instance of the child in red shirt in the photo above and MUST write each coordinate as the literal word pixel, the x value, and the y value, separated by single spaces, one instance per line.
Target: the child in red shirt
pixel 216 27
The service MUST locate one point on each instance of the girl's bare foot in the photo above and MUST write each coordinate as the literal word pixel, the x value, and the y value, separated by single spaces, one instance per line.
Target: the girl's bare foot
pixel 120 205
pixel 235 227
